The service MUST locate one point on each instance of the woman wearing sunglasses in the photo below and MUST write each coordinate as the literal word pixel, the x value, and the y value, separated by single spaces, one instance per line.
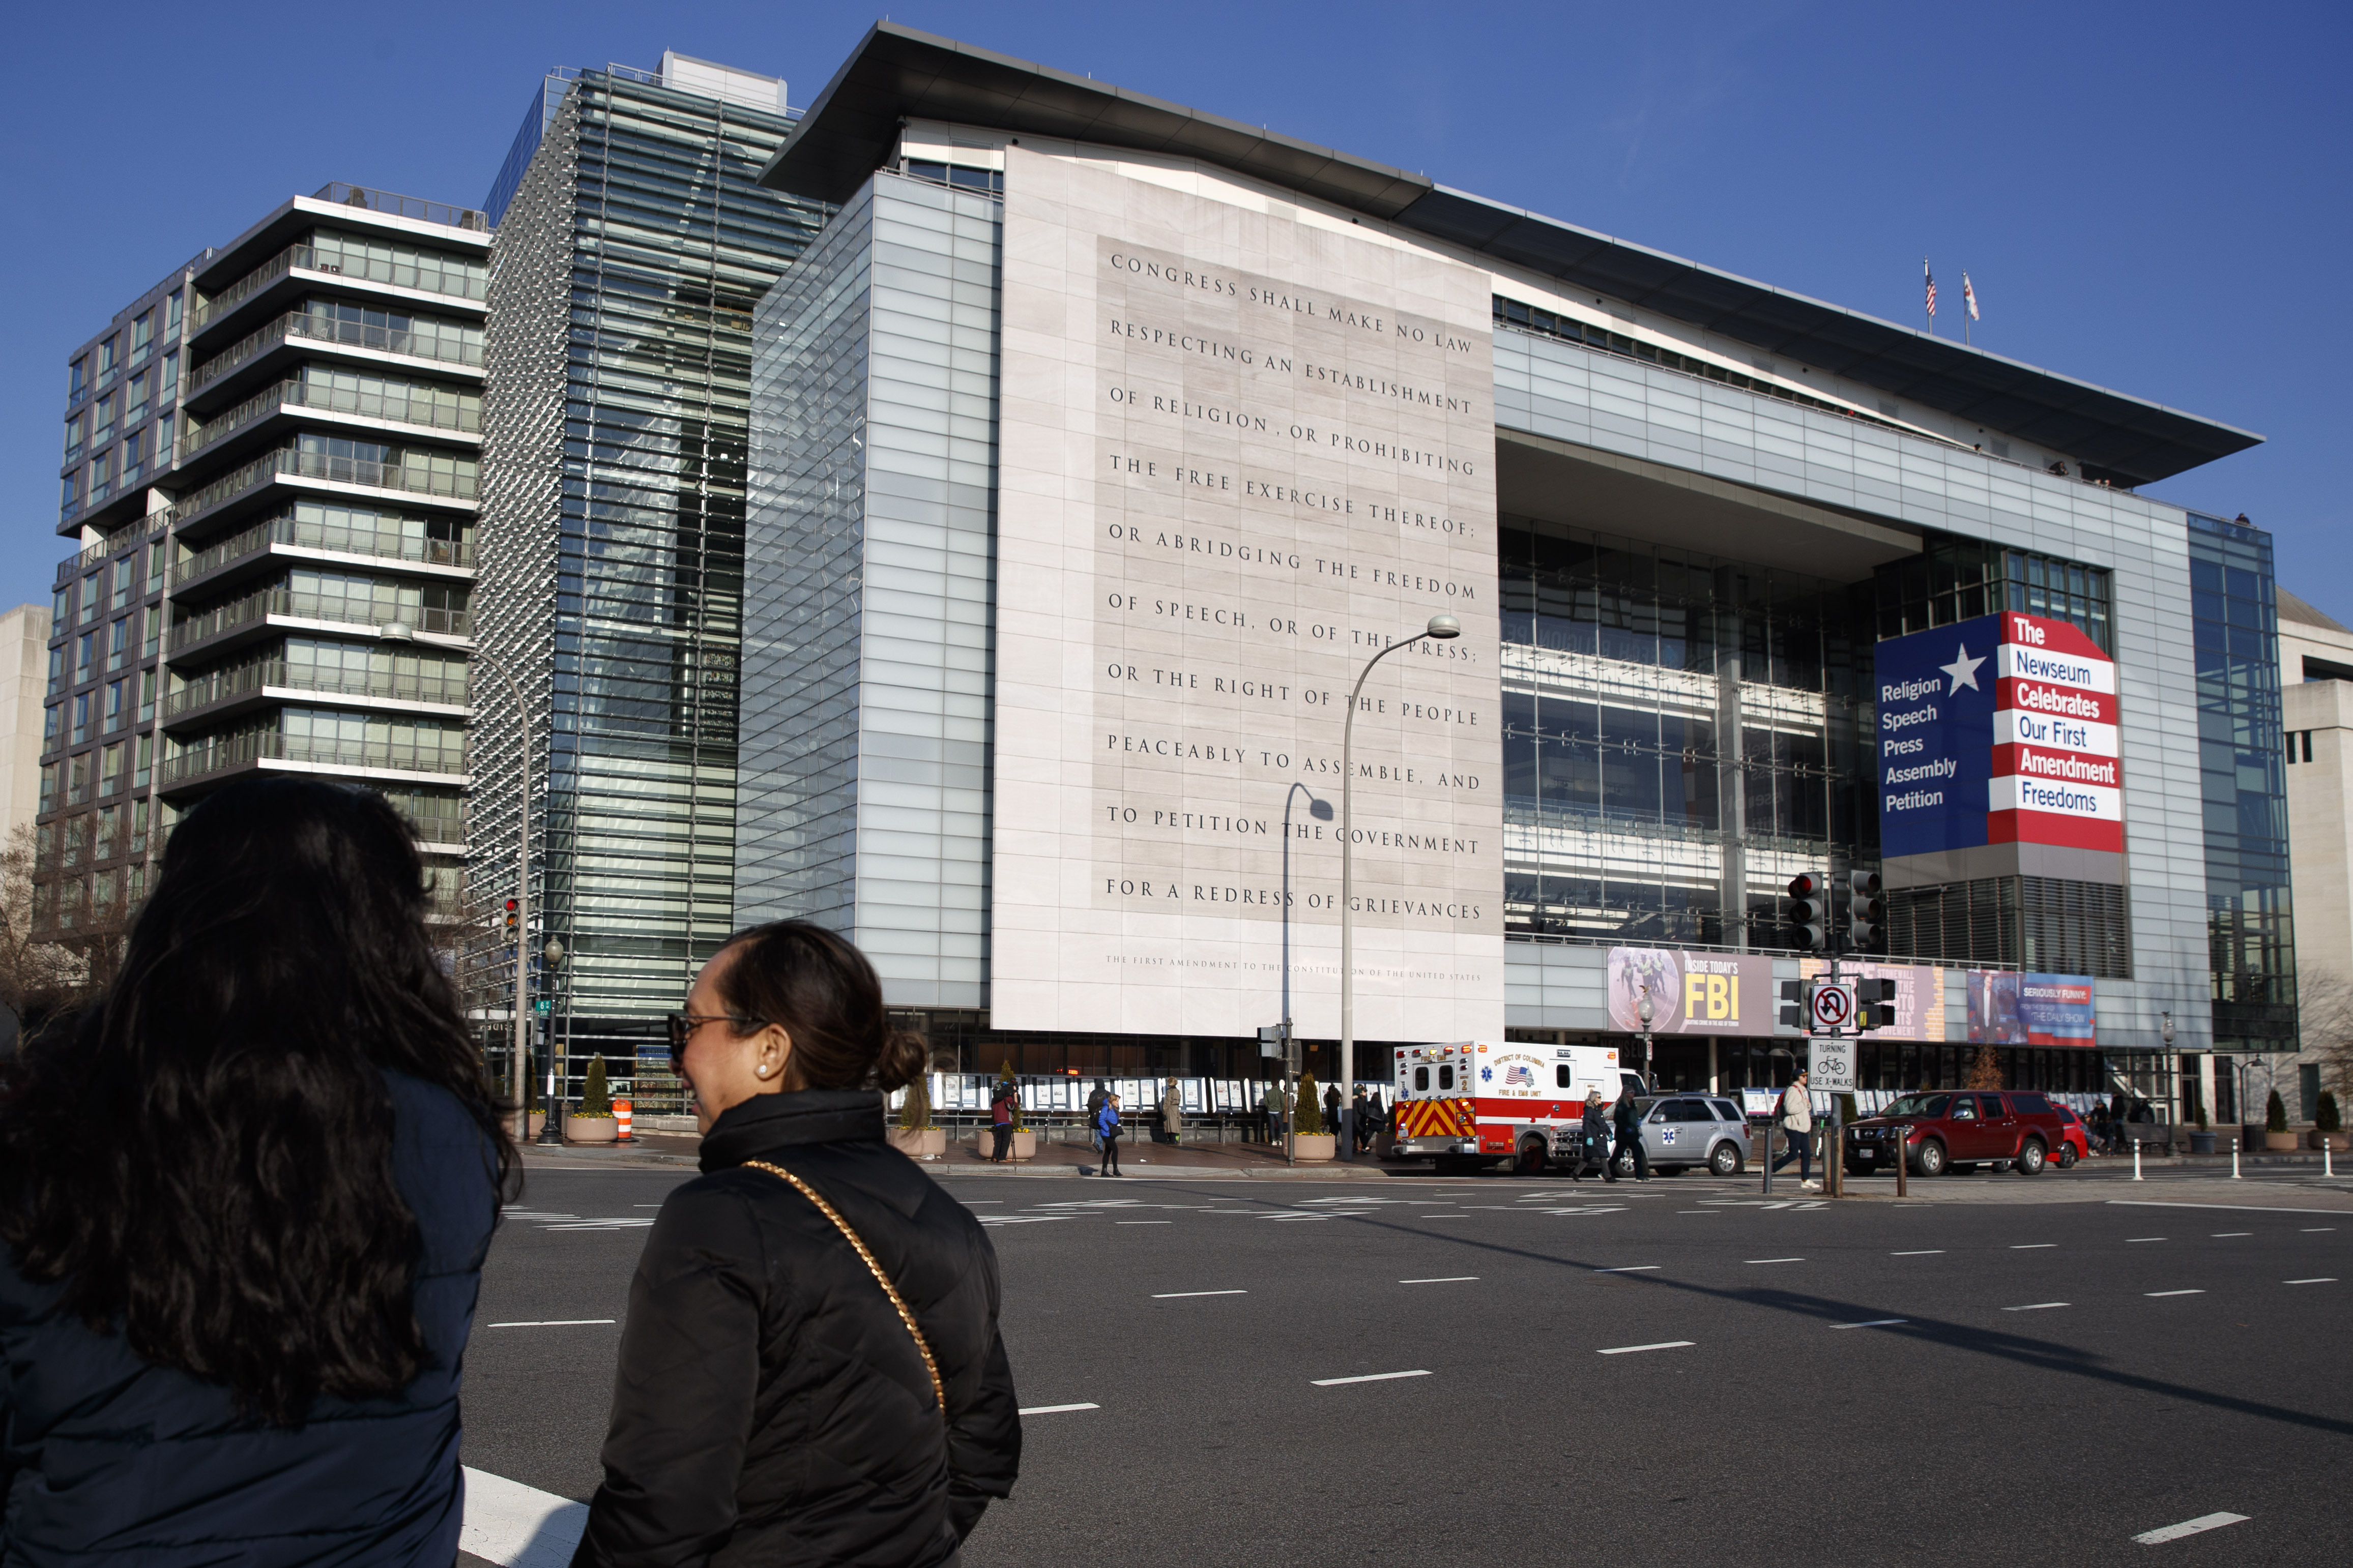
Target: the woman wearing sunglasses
pixel 812 1370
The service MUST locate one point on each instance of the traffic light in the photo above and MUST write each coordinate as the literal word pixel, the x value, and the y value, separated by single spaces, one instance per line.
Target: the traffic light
pixel 1864 910
pixel 1797 1002
pixel 1809 913
pixel 513 918
pixel 1873 1006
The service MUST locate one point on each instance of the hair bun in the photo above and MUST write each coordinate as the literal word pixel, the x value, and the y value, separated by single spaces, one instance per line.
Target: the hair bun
pixel 903 1058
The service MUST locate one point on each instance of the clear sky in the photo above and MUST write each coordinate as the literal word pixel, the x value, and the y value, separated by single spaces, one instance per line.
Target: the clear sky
pixel 2151 196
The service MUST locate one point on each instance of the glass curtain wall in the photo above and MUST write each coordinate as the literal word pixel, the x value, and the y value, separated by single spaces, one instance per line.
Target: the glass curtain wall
pixel 2249 931
pixel 1680 739
pixel 629 265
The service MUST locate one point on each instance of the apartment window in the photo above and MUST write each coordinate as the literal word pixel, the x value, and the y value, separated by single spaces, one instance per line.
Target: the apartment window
pixel 81 718
pixel 136 880
pixel 86 647
pixel 154 583
pixel 114 704
pixel 134 399
pixel 52 718
pixel 118 644
pixel 73 439
pixel 76 840
pixel 142 335
pixel 137 844
pixel 147 681
pixel 77 778
pixel 109 775
pixel 105 361
pixel 49 786
pixel 163 458
pixel 56 669
pixel 167 380
pixel 68 495
pixel 146 764
pixel 107 820
pixel 76 382
pixel 101 421
pixel 131 456
pixel 100 471
pixel 126 577
pixel 172 315
pixel 88 595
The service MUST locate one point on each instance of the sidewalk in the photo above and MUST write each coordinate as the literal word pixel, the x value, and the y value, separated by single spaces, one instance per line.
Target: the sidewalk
pixel 664 1150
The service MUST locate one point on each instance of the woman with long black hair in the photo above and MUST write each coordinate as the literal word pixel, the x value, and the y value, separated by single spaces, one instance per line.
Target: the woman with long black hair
pixel 246 1203
pixel 812 1370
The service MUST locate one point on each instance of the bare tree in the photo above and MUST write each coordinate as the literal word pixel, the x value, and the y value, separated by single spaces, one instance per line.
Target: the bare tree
pixel 2325 1018
pixel 37 979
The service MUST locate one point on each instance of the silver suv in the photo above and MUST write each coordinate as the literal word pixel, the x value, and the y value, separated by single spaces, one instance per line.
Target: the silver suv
pixel 1678 1131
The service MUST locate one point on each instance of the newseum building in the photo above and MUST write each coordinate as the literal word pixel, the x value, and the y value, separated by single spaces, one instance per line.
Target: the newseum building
pixel 1097 444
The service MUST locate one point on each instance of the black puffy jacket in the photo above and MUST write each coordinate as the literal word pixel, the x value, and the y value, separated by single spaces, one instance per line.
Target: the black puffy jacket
pixel 770 1405
pixel 110 1460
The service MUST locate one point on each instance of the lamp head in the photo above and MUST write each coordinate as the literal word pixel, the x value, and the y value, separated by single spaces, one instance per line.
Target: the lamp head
pixel 552 952
pixel 397 631
pixel 2165 1028
pixel 1445 628
pixel 1644 1010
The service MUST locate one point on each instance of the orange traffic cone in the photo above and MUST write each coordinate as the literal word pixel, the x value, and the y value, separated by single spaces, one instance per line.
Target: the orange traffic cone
pixel 621 1115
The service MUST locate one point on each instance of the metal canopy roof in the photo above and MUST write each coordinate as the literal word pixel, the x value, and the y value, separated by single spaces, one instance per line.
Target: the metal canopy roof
pixel 897 74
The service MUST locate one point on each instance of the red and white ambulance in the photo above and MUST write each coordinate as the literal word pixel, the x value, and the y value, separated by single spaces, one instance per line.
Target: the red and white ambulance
pixel 1472 1102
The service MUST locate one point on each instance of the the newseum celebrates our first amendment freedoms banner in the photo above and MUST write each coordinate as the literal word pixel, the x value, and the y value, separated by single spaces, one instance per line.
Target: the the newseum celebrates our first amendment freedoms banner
pixel 1242 447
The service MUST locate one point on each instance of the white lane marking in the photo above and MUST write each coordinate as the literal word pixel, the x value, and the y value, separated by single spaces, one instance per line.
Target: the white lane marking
pixel 1441 1280
pixel 2317 1229
pixel 552 1323
pixel 2031 1246
pixel 1630 1268
pixel 1055 1409
pixel 1368 1377
pixel 1662 1345
pixel 1931 1252
pixel 2189 1527
pixel 1872 1323
pixel 1699 1211
pixel 2218 1235
pixel 2233 1208
pixel 2131 1239
pixel 518 1526
pixel 657 1206
pixel 1002 1219
pixel 1298 1218
pixel 2038 1307
pixel 2326 1280
pixel 1589 1208
pixel 1144 1222
pixel 1772 1260
pixel 2173 1292
pixel 602 1224
pixel 1179 1295
pixel 1442 1216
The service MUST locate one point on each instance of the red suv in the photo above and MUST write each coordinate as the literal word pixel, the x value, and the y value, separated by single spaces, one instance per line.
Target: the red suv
pixel 1959 1130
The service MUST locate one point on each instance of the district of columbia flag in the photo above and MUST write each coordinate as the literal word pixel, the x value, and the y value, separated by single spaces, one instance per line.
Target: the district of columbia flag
pixel 1928 273
pixel 1969 296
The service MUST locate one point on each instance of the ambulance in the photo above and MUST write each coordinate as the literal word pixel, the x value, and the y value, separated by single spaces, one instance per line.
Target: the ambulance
pixel 1476 1101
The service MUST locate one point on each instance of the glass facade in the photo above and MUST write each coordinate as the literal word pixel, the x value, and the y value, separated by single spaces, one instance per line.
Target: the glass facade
pixel 633 247
pixel 2250 926
pixel 1680 739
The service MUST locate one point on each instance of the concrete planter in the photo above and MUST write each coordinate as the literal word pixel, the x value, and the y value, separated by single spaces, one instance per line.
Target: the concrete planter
pixel 1315 1148
pixel 925 1143
pixel 538 1123
pixel 2333 1140
pixel 1025 1143
pixel 2201 1142
pixel 2279 1142
pixel 590 1129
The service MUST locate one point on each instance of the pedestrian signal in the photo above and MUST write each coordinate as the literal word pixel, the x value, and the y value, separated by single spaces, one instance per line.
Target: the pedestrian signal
pixel 1809 913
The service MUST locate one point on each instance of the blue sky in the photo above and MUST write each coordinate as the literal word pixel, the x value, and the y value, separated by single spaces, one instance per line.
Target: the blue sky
pixel 2150 196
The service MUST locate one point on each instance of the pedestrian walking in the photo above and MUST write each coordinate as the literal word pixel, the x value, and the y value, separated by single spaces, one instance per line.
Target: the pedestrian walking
pixel 811 1368
pixel 1331 1107
pixel 1593 1139
pixel 1172 1112
pixel 1629 1117
pixel 1270 1108
pixel 1000 1118
pixel 1107 1129
pixel 245 1199
pixel 1798 1129
pixel 1094 1109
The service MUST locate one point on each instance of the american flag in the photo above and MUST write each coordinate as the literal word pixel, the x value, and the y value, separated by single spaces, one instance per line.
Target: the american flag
pixel 1932 287
pixel 1969 297
pixel 1518 1075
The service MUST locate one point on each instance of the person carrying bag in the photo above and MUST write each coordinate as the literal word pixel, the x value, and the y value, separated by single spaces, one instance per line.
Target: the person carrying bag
pixel 1107 1128
pixel 812 1370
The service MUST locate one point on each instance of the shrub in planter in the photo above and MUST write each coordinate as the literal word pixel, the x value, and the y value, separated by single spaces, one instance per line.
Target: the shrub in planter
pixel 594 1098
pixel 915 1110
pixel 1311 1110
pixel 2276 1114
pixel 2325 1118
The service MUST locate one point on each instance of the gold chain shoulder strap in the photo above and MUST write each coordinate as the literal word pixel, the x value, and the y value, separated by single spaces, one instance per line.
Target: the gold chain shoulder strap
pixel 841 1225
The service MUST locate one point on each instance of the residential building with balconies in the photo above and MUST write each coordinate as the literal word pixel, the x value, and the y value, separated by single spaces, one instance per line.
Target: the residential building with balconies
pixel 271 456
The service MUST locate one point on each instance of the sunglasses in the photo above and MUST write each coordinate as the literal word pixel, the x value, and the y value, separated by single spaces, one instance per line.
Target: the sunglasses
pixel 683 1024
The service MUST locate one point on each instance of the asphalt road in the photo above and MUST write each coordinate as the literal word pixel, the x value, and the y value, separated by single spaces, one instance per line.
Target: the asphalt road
pixel 1671 1373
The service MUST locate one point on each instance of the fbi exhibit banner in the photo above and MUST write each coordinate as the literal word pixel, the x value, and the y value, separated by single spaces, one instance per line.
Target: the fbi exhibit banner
pixel 1241 449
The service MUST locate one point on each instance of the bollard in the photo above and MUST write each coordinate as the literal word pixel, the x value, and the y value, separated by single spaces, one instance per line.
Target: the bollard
pixel 2238 1141
pixel 621 1117
pixel 1903 1158
pixel 2327 1158
pixel 2136 1143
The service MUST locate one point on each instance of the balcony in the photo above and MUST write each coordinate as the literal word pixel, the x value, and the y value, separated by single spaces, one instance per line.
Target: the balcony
pixel 431 414
pixel 431 341
pixel 253 610
pixel 254 543
pixel 235 751
pixel 417 479
pixel 374 200
pixel 220 687
pixel 451 283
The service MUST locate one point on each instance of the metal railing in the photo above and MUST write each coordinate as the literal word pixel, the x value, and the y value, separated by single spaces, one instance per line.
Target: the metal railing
pixel 377 201
pixel 432 413
pixel 452 283
pixel 428 343
pixel 234 751
pixel 220 685
pixel 254 607
pixel 413 479
pixel 374 542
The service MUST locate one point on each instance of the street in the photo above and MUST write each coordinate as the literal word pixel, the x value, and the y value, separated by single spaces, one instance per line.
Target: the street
pixel 1232 1372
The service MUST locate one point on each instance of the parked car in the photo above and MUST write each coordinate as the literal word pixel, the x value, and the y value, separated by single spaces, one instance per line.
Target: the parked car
pixel 2074 1140
pixel 1679 1131
pixel 1958 1130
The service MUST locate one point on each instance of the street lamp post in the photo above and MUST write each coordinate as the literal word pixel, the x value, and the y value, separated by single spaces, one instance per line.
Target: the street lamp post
pixel 1441 628
pixel 551 1132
